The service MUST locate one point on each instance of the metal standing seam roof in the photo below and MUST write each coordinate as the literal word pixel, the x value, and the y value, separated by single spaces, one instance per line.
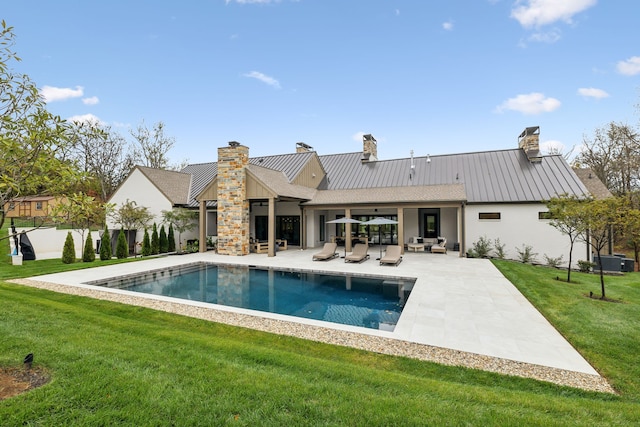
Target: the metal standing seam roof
pixel 502 176
pixel 488 177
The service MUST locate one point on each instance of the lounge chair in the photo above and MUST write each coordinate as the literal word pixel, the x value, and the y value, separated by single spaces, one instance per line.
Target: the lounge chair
pixel 393 255
pixel 359 253
pixel 328 252
pixel 440 247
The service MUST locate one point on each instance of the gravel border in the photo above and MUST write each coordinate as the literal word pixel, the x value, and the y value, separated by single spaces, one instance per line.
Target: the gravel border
pixel 350 339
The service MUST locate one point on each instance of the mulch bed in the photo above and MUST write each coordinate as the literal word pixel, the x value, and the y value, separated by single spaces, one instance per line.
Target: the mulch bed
pixel 17 380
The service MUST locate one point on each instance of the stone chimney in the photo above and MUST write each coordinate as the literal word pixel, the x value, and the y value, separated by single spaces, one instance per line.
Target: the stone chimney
pixel 301 147
pixel 529 141
pixel 369 148
pixel 233 206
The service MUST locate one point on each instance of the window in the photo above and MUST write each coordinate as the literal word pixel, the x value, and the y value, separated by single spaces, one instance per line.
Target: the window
pixel 489 215
pixel 38 206
pixel 544 215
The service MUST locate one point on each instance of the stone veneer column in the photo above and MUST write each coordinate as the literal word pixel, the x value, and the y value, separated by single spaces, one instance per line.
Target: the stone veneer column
pixel 233 206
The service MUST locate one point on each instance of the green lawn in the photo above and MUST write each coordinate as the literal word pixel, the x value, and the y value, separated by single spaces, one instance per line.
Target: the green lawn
pixel 113 364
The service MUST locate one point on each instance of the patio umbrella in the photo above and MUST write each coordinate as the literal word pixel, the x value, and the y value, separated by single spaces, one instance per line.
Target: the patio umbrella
pixel 344 220
pixel 380 221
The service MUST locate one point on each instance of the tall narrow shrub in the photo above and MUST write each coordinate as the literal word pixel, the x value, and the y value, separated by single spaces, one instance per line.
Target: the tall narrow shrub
pixel 164 242
pixel 171 239
pixel 89 254
pixel 69 250
pixel 105 245
pixel 122 249
pixel 146 244
pixel 155 241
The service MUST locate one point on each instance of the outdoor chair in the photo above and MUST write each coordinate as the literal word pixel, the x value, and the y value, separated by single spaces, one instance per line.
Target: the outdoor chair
pixel 393 255
pixel 328 252
pixel 440 247
pixel 359 253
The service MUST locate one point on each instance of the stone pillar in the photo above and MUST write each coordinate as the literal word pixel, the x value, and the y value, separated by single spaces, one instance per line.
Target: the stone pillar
pixel 369 147
pixel 233 206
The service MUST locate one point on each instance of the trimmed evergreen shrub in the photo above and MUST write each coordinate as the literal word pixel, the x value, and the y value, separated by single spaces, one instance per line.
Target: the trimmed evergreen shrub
pixel 172 240
pixel 105 245
pixel 122 249
pixel 89 254
pixel 155 241
pixel 69 250
pixel 164 242
pixel 146 244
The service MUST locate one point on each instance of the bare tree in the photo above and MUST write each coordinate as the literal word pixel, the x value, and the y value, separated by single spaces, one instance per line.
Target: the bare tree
pixel 614 156
pixel 152 146
pixel 103 153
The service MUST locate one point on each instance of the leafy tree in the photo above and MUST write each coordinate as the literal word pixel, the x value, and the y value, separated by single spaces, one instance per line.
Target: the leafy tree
pixel 131 217
pixel 122 248
pixel 69 250
pixel 32 140
pixel 563 211
pixel 164 242
pixel 152 145
pixel 82 211
pixel 146 244
pixel 171 240
pixel 182 219
pixel 599 217
pixel 155 240
pixel 89 254
pixel 105 245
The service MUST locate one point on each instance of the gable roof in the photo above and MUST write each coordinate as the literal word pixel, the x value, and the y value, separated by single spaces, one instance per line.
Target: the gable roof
pixel 175 186
pixel 488 177
pixel 596 187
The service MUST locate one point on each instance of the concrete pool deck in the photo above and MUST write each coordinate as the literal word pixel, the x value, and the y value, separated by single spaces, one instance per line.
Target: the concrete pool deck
pixel 460 304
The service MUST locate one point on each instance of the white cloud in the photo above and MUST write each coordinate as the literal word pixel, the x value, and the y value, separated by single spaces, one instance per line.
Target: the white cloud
pixel 532 103
pixel 92 100
pixel 552 146
pixel 630 67
pixel 263 78
pixel 85 118
pixel 51 94
pixel 550 36
pixel 358 136
pixel 537 13
pixel 448 25
pixel 591 92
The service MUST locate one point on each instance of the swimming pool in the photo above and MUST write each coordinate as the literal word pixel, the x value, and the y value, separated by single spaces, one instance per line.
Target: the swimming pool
pixel 370 302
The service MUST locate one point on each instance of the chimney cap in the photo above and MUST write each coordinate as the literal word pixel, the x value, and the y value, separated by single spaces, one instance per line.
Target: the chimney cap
pixel 233 143
pixel 533 130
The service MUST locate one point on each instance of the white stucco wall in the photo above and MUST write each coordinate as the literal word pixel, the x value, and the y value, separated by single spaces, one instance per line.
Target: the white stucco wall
pixel 519 225
pixel 139 189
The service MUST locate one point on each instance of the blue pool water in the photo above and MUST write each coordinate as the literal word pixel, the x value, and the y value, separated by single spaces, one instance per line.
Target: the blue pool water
pixel 351 300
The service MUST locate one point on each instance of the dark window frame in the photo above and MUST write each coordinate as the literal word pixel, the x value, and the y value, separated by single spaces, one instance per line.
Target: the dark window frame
pixel 494 216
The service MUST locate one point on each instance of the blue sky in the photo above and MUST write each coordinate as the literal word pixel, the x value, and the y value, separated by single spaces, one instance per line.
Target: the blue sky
pixel 435 77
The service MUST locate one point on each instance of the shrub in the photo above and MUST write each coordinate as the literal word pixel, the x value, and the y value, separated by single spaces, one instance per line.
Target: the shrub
pixel 105 245
pixel 481 248
pixel 89 254
pixel 499 249
pixel 122 249
pixel 553 262
pixel 146 244
pixel 585 266
pixel 526 254
pixel 164 242
pixel 172 240
pixel 69 250
pixel 155 241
